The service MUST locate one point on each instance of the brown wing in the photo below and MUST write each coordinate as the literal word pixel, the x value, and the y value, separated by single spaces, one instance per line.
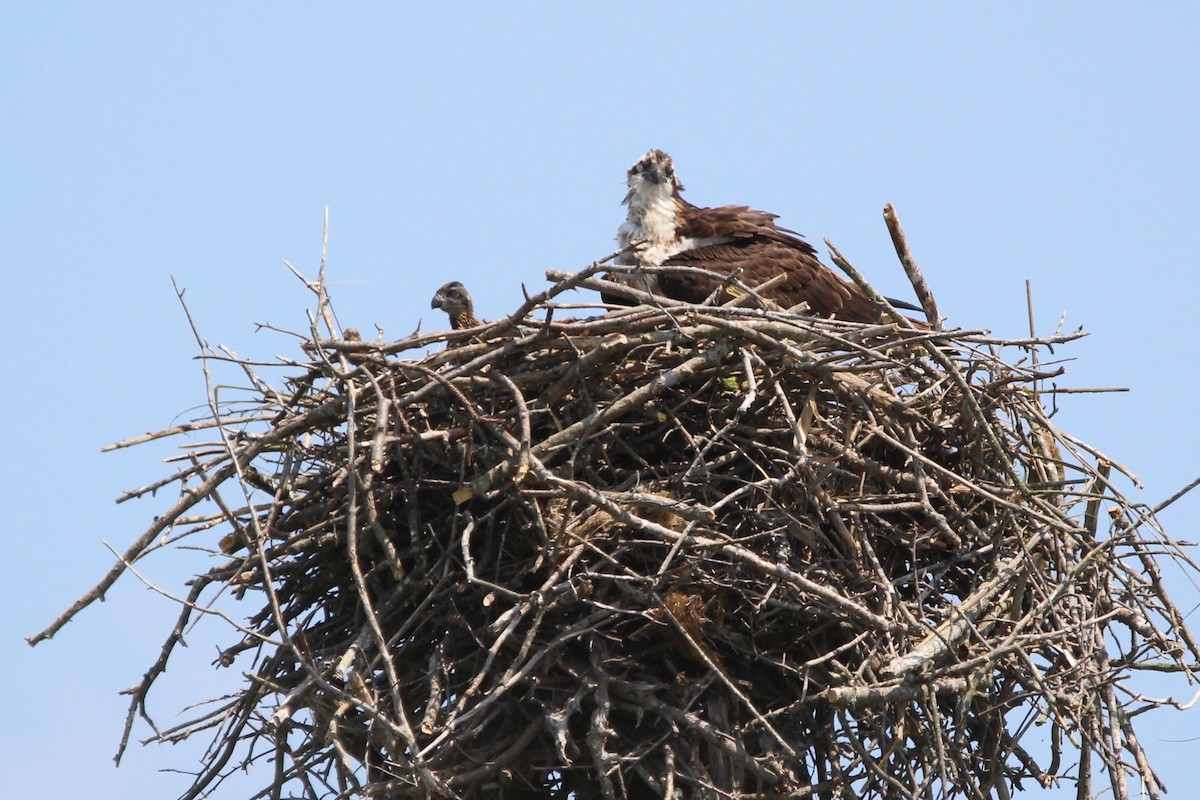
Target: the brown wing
pixel 737 221
pixel 761 250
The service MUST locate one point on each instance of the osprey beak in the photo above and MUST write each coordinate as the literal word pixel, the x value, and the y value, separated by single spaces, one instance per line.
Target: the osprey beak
pixel 437 301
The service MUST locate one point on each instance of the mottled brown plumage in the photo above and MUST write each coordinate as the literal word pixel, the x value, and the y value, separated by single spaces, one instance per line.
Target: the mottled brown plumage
pixel 455 300
pixel 668 231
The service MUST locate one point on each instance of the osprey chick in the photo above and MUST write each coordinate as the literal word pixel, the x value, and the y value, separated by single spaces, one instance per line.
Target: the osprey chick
pixel 670 232
pixel 454 299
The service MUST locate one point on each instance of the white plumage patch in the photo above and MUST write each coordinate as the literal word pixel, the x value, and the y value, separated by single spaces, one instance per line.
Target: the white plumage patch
pixel 654 218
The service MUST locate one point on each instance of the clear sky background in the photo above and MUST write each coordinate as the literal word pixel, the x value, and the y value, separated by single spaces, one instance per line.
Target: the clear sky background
pixel 487 143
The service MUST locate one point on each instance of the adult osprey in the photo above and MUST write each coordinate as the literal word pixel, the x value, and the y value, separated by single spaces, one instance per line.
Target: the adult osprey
pixel 668 231
pixel 455 300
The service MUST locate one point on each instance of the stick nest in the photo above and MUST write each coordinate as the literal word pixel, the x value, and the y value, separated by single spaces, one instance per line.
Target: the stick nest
pixel 681 551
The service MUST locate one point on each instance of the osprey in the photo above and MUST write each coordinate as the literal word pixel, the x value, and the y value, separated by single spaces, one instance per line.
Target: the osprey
pixel 664 230
pixel 455 300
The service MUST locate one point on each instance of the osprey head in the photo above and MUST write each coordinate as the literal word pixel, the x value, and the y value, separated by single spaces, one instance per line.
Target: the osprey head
pixel 454 299
pixel 652 176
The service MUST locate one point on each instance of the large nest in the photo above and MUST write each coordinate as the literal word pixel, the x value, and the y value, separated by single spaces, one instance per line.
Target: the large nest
pixel 672 551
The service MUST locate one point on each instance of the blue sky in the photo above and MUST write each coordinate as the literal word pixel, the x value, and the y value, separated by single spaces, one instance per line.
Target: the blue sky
pixel 488 143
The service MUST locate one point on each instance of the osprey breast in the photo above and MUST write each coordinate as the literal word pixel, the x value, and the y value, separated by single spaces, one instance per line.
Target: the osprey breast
pixel 656 222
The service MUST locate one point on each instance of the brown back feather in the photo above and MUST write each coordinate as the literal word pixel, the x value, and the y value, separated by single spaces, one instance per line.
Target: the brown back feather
pixel 738 221
pixel 761 251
